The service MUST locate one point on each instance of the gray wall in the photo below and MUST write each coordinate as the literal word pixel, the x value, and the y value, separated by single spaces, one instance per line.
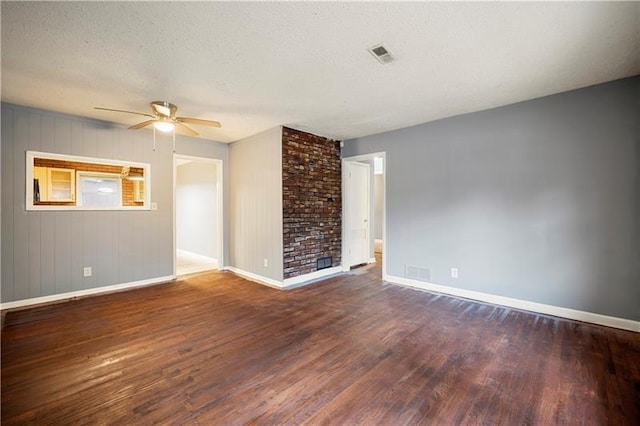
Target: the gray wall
pixel 256 204
pixel 43 252
pixel 538 200
pixel 196 208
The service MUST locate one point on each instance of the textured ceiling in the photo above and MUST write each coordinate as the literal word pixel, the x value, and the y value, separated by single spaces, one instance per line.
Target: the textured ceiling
pixel 254 66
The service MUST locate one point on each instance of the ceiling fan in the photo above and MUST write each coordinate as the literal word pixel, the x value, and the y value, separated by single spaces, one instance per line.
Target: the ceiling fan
pixel 163 117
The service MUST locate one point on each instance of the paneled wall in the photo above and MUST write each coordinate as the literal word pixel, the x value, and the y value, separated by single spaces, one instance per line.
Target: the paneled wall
pixel 312 201
pixel 44 252
pixel 256 204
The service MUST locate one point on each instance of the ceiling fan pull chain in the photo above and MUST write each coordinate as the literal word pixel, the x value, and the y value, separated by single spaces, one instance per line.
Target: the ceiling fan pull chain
pixel 174 140
pixel 154 138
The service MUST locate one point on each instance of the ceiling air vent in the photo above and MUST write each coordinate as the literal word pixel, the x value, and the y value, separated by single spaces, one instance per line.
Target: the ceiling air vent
pixel 381 53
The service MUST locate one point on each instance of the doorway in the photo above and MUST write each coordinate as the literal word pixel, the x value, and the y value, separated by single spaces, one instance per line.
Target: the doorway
pixel 197 214
pixel 363 232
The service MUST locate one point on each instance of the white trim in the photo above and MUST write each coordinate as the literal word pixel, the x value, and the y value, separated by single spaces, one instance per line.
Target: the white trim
pixel 289 283
pixel 31 155
pixel 345 200
pixel 312 277
pixel 256 278
pixel 83 159
pixel 219 203
pixel 541 308
pixel 87 292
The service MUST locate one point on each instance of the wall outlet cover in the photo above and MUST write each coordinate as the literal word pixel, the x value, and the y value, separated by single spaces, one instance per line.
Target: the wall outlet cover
pixel 86 271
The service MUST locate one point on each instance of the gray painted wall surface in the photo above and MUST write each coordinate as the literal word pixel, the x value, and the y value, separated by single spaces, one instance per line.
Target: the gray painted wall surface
pixel 256 204
pixel 196 209
pixel 43 252
pixel 538 200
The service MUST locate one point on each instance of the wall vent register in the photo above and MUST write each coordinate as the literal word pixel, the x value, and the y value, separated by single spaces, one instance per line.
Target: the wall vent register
pixel 381 53
pixel 323 263
pixel 417 273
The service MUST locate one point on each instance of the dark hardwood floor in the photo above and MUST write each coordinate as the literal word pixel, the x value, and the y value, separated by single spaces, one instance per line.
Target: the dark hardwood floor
pixel 216 349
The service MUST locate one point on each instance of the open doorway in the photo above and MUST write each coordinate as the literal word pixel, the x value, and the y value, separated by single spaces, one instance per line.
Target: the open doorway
pixel 198 214
pixel 363 231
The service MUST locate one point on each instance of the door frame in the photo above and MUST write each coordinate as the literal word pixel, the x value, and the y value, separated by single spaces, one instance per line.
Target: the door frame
pixel 219 205
pixel 346 206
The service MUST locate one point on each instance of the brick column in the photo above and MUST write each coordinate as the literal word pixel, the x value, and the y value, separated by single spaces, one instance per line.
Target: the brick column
pixel 312 201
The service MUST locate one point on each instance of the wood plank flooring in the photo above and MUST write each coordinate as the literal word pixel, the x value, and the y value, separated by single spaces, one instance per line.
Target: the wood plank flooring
pixel 216 349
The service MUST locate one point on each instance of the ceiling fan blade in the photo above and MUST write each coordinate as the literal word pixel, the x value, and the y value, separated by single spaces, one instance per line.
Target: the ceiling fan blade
pixel 199 121
pixel 185 129
pixel 143 124
pixel 121 110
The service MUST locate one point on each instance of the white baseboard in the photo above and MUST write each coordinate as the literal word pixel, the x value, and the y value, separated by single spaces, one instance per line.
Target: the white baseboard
pixel 541 308
pixel 270 282
pixel 87 292
pixel 289 283
pixel 312 277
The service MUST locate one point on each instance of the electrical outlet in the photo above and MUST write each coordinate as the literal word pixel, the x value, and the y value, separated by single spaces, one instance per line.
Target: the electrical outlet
pixel 87 272
pixel 266 263
pixel 154 206
pixel 454 272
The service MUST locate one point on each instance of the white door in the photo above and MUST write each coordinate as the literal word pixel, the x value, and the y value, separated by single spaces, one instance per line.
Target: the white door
pixel 358 215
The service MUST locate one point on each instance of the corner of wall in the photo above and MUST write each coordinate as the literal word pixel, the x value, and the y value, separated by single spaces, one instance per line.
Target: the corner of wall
pixel 255 199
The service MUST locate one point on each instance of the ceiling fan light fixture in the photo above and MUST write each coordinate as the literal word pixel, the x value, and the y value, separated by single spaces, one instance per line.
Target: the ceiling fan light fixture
pixel 164 126
pixel 164 119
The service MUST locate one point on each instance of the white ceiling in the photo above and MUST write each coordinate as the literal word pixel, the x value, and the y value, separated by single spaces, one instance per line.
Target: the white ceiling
pixel 254 66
